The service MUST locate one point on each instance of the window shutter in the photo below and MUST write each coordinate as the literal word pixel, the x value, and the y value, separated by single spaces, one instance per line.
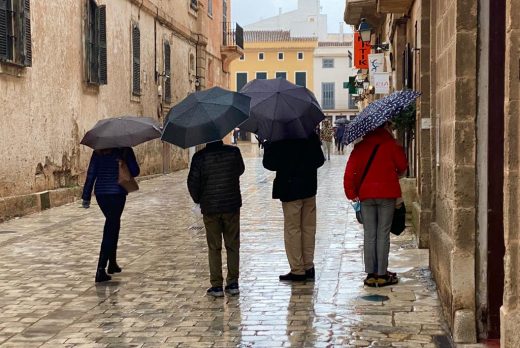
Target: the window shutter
pixel 25 41
pixel 102 44
pixel 89 43
pixel 136 57
pixel 3 30
pixel 167 71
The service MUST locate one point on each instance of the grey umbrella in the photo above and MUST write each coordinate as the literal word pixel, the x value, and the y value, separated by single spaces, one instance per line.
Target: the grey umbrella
pixel 205 116
pixel 124 131
pixel 281 110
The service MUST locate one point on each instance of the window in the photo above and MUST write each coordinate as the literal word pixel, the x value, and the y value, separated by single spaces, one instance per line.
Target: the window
pixel 194 5
pixel 210 8
pixel 280 56
pixel 241 80
pixel 261 75
pixel 281 75
pixel 301 79
pixel 96 44
pixel 352 101
pixel 300 55
pixel 243 57
pixel 15 32
pixel 261 56
pixel 167 95
pixel 327 95
pixel 349 59
pixel 327 63
pixel 136 60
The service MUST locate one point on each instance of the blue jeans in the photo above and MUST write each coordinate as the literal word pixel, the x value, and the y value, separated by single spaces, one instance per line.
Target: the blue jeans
pixel 112 207
pixel 377 220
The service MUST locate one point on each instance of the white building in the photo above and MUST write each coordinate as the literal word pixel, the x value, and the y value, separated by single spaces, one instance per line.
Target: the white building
pixel 333 64
pixel 307 21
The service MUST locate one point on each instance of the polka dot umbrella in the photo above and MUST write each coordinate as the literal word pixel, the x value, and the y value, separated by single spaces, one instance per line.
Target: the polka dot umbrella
pixel 377 113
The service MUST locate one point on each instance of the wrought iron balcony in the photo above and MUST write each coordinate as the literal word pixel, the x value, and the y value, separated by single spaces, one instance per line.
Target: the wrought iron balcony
pixel 232 43
pixel 233 35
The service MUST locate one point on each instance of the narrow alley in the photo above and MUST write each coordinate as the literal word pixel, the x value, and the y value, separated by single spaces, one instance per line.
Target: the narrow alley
pixel 48 297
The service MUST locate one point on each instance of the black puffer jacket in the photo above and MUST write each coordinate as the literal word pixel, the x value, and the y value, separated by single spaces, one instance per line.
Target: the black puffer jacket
pixel 214 178
pixel 296 163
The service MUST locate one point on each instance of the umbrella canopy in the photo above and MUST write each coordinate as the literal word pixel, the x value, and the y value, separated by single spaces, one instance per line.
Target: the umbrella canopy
pixel 378 112
pixel 341 121
pixel 124 131
pixel 205 116
pixel 281 110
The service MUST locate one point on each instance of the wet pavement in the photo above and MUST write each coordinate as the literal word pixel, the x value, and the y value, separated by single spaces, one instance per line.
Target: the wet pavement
pixel 48 297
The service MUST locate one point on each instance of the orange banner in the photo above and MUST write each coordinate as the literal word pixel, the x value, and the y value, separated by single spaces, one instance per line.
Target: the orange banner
pixel 361 52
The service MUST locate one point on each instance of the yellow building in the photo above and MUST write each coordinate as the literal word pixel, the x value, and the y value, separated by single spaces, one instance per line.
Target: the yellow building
pixel 273 54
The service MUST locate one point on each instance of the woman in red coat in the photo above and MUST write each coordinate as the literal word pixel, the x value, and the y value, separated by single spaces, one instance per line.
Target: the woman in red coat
pixel 377 193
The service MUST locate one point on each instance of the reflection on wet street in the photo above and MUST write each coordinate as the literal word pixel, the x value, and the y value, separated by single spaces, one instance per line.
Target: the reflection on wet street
pixel 48 297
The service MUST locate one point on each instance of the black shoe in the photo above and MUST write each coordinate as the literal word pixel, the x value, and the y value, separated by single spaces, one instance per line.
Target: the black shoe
pixel 215 291
pixel 113 267
pixel 310 274
pixel 232 289
pixel 102 276
pixel 293 277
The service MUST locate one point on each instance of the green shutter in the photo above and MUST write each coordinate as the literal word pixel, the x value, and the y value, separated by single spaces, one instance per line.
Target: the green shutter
pixel 167 72
pixel 25 42
pixel 136 59
pixel 4 46
pixel 102 44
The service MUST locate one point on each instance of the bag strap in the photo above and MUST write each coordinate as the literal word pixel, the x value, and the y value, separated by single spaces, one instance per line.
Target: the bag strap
pixel 368 165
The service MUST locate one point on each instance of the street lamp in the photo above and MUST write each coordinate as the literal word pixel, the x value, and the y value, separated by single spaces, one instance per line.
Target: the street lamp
pixel 365 30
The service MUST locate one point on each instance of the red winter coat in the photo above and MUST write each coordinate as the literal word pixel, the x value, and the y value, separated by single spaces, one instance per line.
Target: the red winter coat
pixel 382 179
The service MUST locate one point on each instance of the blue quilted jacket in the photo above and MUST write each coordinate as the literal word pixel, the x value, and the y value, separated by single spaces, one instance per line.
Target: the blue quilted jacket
pixel 103 172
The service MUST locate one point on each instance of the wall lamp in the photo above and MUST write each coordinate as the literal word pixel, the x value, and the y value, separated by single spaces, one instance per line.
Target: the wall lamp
pixel 365 30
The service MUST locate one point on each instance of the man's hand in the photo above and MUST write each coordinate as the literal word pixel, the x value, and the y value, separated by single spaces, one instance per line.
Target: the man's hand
pixel 85 204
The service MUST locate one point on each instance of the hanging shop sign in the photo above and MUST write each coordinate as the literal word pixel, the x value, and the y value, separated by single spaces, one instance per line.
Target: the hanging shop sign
pixel 376 64
pixel 381 83
pixel 361 52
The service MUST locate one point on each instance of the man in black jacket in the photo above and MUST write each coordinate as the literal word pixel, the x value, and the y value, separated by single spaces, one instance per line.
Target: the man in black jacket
pixel 214 183
pixel 296 163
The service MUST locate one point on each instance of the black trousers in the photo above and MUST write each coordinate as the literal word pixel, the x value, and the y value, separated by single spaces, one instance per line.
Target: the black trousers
pixel 112 207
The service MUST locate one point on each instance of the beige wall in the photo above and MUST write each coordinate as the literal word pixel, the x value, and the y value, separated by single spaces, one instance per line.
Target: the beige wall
pixel 452 238
pixel 47 108
pixel 510 311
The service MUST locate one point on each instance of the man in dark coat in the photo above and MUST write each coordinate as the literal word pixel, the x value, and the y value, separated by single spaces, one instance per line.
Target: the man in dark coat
pixel 214 183
pixel 296 163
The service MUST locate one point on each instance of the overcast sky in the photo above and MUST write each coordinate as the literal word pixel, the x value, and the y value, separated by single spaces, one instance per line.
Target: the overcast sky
pixel 245 12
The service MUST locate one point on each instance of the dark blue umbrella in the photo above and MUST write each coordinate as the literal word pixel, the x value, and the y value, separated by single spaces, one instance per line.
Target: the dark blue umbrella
pixel 281 110
pixel 377 113
pixel 205 116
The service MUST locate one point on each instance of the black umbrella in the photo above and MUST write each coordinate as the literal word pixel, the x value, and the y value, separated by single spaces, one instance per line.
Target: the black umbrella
pixel 124 131
pixel 342 121
pixel 281 110
pixel 205 116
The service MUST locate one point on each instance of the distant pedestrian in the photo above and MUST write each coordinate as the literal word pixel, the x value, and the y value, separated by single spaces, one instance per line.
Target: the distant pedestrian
pixel 236 134
pixel 326 134
pixel 377 193
pixel 296 163
pixel 214 183
pixel 102 175
pixel 340 133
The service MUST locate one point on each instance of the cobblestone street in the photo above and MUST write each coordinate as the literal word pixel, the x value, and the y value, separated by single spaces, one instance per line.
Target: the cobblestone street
pixel 48 297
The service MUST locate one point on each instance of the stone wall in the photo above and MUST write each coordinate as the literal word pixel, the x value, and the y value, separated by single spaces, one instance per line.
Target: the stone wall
pixel 47 108
pixel 452 237
pixel 510 311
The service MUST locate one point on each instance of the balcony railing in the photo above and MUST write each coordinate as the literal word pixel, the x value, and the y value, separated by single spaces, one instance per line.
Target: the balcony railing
pixel 233 35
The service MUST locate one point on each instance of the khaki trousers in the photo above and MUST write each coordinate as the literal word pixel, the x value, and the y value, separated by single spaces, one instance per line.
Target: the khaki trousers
pixel 227 226
pixel 300 233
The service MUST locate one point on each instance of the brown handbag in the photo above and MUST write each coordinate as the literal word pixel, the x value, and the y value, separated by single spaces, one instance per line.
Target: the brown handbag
pixel 126 180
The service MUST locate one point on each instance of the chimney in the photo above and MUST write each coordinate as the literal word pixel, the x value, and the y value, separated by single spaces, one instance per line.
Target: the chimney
pixel 341 37
pixel 279 11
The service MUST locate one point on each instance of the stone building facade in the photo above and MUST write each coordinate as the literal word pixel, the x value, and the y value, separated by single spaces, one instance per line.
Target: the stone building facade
pixel 93 60
pixel 463 56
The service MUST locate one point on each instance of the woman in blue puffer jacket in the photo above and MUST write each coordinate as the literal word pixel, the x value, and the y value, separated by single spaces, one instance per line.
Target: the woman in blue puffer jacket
pixel 102 175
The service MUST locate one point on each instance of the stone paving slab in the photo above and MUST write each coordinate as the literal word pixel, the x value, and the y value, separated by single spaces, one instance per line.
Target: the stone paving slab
pixel 48 297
